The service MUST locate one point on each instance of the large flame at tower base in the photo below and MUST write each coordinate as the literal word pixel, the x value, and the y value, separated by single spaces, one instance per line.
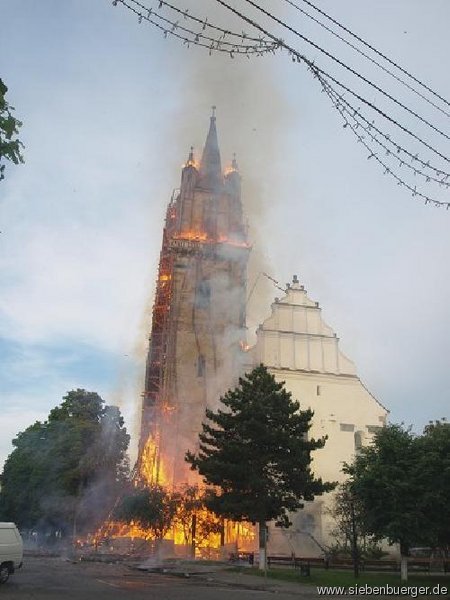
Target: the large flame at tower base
pixel 193 530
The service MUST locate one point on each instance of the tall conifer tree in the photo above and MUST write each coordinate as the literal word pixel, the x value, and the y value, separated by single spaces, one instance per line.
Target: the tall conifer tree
pixel 256 453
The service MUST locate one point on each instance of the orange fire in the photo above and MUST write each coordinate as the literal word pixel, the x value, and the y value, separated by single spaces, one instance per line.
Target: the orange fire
pixel 152 470
pixel 195 527
pixel 244 346
pixel 197 236
pixel 201 236
pixel 191 162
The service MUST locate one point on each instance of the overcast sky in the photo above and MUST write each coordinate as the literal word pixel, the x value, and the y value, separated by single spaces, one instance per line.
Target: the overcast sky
pixel 109 110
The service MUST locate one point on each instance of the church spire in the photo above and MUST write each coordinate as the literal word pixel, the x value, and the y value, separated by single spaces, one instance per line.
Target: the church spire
pixel 210 165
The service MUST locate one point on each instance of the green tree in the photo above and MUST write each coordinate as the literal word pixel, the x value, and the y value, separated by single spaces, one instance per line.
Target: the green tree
pixel 152 508
pixel 63 472
pixel 349 533
pixel 433 469
pixel 10 146
pixel 257 455
pixel 387 484
pixel 197 523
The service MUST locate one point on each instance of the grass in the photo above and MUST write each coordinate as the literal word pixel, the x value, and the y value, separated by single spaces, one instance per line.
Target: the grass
pixel 333 577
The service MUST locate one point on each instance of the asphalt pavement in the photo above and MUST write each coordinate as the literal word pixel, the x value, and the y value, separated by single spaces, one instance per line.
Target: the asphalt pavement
pixel 49 578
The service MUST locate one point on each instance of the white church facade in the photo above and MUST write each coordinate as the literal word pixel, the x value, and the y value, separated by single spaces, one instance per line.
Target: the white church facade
pixel 299 348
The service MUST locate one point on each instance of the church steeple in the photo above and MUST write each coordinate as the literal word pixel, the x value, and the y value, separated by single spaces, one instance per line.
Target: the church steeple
pixel 210 165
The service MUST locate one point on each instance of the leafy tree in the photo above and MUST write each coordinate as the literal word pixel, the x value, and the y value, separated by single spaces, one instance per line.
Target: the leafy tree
pixel 386 482
pixel 433 471
pixel 9 128
pixel 197 523
pixel 256 454
pixel 152 508
pixel 349 531
pixel 62 473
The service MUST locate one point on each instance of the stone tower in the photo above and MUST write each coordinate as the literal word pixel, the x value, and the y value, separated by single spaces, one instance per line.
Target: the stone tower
pixel 198 320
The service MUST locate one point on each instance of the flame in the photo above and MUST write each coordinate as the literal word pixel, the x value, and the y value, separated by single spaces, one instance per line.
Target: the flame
pixel 230 170
pixel 152 469
pixel 191 162
pixel 210 530
pixel 168 409
pixel 201 236
pixel 244 346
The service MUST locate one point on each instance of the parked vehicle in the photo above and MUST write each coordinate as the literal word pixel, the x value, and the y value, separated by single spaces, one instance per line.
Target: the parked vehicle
pixel 11 550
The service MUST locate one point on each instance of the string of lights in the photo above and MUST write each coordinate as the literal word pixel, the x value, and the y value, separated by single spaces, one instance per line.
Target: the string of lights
pixel 258 277
pixel 203 22
pixel 372 60
pixel 188 36
pixel 274 281
pixel 324 79
pixel 299 57
pixel 396 149
pixel 387 170
pixel 348 68
pixel 379 111
pixel 373 49
pixel 389 153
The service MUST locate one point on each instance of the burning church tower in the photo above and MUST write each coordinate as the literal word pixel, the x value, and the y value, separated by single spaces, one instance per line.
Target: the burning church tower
pixel 198 320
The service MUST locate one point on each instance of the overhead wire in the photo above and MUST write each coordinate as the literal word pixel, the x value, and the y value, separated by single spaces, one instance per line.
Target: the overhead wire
pixel 315 69
pixel 372 60
pixel 362 41
pixel 397 150
pixel 353 117
pixel 387 169
pixel 188 36
pixel 347 67
pixel 321 76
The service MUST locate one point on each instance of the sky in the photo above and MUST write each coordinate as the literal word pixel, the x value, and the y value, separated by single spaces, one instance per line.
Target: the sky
pixel 109 110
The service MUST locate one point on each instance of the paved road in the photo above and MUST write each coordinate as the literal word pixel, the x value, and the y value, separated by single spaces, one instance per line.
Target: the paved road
pixel 57 579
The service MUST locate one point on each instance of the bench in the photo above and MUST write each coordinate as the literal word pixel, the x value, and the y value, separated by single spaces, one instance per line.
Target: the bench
pixel 281 560
pixel 303 564
pixel 380 565
pixel 419 564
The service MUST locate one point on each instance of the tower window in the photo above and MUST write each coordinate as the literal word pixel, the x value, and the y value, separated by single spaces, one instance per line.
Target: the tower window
pixel 203 294
pixel 200 366
pixel 347 427
pixel 358 440
pixel 318 390
pixel 373 428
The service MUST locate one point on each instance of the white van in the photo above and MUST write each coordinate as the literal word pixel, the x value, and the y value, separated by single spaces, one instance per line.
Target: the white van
pixel 11 550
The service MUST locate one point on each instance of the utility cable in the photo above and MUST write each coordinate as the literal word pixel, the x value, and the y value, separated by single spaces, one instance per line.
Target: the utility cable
pixel 322 77
pixel 149 15
pixel 387 169
pixel 394 64
pixel 315 69
pixel 372 60
pixel 350 69
pixel 353 117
